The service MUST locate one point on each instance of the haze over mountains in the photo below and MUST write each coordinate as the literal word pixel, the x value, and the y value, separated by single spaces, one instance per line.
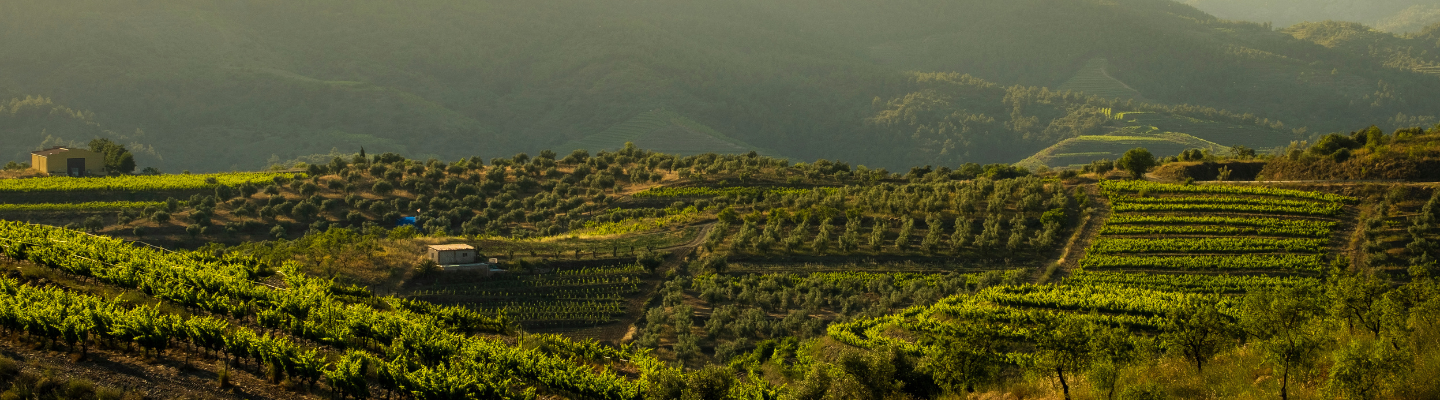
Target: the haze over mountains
pixel 1397 16
pixel 219 85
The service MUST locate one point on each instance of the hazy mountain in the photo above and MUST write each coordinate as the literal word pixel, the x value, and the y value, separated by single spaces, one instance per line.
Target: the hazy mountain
pixel 224 84
pixel 1397 16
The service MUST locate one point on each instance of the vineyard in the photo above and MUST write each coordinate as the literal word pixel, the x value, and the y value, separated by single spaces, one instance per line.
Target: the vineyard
pixel 730 313
pixel 307 328
pixel 134 183
pixel 85 206
pixel 574 297
pixel 818 275
pixel 1166 250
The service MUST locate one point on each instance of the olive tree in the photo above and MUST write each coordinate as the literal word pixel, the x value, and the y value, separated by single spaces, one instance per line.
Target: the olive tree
pixel 1137 161
pixel 1284 324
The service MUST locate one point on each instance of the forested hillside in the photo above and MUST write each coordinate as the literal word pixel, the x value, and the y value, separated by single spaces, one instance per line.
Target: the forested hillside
pixel 221 85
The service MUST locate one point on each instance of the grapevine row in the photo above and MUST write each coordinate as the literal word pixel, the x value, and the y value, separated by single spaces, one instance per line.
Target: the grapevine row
pixel 1101 297
pixel 1304 262
pixel 1219 200
pixel 308 309
pixel 1328 209
pixel 1186 283
pixel 138 182
pixel 1154 187
pixel 1210 230
pixel 57 314
pixel 1272 223
pixel 1207 245
pixel 86 206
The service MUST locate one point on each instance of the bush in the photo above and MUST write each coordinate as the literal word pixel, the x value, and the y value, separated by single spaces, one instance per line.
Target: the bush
pixel 1341 155
pixel 711 383
pixel 427 267
pixel 650 260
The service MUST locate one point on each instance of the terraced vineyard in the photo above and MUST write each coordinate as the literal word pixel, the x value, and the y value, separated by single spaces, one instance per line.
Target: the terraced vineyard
pixel 1208 245
pixel 1219 132
pixel 1206 228
pixel 1084 149
pixel 1093 79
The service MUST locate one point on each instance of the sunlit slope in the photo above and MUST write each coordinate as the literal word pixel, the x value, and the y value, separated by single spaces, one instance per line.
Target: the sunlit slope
pixel 1163 134
pixel 1164 248
pixel 1084 149
pixel 1093 79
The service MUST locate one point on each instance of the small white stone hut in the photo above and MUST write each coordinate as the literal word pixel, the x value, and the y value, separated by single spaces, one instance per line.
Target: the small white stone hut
pixel 451 254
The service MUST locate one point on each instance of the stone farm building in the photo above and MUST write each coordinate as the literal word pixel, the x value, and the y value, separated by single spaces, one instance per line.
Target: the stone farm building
pixel 68 161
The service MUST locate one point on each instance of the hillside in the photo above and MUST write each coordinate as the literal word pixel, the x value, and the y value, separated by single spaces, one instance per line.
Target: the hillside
pixel 1411 154
pixel 638 275
pixel 666 132
pixel 215 86
pixel 1395 16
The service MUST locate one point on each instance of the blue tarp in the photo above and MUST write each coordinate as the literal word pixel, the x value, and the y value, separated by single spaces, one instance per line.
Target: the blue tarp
pixel 406 221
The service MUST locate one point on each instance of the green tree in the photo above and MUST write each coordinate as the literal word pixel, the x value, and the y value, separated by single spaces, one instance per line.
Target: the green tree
pixel 1198 331
pixel 1284 325
pixel 1112 349
pixel 1136 161
pixel 1362 369
pixel 1063 347
pixel 118 159
pixel 965 358
pixel 1242 152
pixel 94 223
pixel 1355 298
pixel 729 216
pixel 664 384
pixel 382 187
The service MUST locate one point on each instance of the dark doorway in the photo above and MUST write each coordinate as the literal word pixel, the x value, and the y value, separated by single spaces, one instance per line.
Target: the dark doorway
pixel 76 166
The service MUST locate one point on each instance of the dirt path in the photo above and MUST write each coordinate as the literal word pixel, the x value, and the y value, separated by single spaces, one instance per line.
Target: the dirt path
pixel 635 306
pixel 1079 241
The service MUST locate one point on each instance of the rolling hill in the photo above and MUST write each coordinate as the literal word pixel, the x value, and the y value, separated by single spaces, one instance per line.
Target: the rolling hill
pixel 1093 79
pixel 1398 16
pixel 218 85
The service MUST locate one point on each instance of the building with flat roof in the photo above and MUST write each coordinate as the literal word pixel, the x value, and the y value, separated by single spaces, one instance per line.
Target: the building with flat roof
pixel 450 254
pixel 68 161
